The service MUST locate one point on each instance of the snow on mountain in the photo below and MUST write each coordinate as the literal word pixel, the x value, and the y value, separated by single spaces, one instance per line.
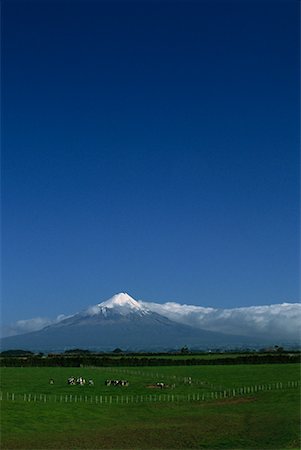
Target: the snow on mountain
pixel 121 303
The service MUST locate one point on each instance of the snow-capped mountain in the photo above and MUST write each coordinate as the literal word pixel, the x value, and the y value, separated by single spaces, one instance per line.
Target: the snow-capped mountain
pixel 121 307
pixel 122 321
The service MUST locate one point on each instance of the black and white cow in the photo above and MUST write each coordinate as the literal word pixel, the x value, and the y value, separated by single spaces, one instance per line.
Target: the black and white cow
pixel 116 383
pixel 79 380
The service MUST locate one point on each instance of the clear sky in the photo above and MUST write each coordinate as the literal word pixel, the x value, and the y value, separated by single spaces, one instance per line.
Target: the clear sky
pixel 151 148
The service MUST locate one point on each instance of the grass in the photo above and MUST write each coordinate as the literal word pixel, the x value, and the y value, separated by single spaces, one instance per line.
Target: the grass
pixel 267 420
pixel 204 378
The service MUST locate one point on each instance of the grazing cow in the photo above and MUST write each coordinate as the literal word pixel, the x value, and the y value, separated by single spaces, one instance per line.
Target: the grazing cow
pixel 116 383
pixel 51 381
pixel 81 381
pixel 91 383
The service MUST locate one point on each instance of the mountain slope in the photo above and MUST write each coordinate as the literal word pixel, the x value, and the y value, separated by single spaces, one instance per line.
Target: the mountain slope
pixel 120 322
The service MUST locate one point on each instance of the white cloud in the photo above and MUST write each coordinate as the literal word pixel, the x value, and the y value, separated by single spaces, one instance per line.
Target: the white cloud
pixel 282 320
pixel 26 326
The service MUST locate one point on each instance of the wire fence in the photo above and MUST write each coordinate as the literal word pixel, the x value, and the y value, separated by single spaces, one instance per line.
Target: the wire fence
pixel 149 398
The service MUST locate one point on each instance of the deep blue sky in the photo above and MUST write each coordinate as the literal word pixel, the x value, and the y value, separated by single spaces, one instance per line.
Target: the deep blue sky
pixel 149 147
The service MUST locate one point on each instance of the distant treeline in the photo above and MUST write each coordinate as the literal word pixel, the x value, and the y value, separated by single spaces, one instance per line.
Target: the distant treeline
pixel 63 360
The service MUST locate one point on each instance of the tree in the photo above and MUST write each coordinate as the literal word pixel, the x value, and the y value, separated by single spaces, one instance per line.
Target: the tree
pixel 117 350
pixel 185 350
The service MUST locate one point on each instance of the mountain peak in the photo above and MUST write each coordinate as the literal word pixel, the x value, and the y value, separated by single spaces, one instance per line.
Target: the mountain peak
pixel 121 303
pixel 121 299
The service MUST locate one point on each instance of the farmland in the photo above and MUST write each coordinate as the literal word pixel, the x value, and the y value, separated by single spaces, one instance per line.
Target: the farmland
pixel 233 406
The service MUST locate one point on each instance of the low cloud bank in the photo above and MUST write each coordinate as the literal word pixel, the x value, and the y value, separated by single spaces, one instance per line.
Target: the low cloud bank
pixel 29 325
pixel 282 320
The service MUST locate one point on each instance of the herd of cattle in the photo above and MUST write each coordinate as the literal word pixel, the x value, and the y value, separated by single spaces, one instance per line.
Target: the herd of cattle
pixel 81 381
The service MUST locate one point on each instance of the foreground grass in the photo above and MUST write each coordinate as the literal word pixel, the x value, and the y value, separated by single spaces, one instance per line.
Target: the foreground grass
pixel 267 420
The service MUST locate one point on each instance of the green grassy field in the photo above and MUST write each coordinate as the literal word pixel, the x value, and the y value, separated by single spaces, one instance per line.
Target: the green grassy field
pixel 267 419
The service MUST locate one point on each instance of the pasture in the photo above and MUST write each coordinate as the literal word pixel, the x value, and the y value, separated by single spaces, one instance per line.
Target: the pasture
pixel 234 407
